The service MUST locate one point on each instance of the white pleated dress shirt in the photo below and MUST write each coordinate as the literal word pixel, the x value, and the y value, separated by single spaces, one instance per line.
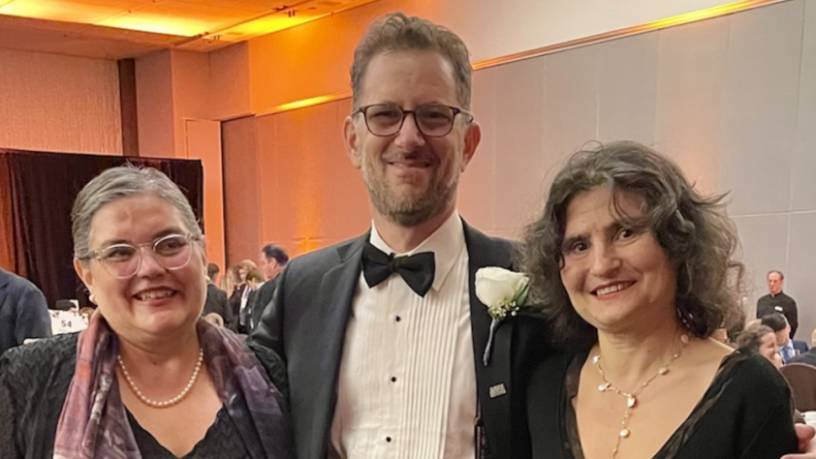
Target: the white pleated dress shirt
pixel 407 382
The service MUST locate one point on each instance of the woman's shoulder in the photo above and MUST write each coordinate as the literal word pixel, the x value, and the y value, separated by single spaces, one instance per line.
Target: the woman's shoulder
pixel 32 364
pixel 753 373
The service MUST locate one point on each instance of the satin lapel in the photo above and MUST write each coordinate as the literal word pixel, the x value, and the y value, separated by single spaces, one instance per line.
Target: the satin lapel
pixel 493 381
pixel 335 297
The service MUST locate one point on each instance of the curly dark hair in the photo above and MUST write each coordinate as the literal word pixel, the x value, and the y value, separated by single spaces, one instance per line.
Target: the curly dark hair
pixel 694 230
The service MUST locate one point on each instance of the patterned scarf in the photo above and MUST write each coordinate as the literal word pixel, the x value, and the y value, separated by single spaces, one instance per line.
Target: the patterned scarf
pixel 94 424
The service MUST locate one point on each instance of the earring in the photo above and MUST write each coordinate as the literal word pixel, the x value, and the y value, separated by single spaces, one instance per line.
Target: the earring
pixel 91 298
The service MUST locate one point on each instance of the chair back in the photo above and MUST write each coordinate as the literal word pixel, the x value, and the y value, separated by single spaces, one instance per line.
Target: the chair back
pixel 802 380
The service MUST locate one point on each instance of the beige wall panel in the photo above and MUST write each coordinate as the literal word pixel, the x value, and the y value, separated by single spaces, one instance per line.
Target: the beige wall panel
pixel 59 103
pixel 154 101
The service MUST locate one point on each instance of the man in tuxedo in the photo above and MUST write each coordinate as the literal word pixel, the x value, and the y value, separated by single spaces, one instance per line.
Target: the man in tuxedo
pixel 216 301
pixel 273 260
pixel 23 311
pixel 383 335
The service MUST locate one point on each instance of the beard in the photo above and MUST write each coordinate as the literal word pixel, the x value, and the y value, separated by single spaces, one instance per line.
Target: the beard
pixel 411 209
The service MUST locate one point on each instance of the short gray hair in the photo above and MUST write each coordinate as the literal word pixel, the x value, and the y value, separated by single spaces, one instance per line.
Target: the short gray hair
pixel 121 182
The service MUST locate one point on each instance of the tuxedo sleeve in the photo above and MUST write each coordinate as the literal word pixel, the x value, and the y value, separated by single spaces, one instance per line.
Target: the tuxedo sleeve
pixel 269 332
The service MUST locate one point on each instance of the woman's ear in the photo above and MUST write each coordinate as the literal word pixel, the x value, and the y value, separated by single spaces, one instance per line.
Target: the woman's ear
pixel 84 272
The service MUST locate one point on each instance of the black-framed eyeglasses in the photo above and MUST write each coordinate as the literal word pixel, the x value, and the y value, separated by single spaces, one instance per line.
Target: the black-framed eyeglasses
pixel 123 260
pixel 432 120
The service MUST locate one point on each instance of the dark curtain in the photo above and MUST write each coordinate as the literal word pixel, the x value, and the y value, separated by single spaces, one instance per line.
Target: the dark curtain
pixel 37 191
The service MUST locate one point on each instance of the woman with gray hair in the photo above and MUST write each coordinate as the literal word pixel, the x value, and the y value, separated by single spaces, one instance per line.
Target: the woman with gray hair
pixel 148 377
pixel 635 272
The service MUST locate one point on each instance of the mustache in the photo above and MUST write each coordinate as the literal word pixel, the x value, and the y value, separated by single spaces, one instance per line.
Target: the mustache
pixel 399 156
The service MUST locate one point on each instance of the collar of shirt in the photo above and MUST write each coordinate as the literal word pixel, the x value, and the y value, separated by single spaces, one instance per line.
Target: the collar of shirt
pixel 446 243
pixel 789 344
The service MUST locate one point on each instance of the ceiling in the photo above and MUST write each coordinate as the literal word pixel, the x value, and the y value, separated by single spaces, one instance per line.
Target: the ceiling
pixel 116 29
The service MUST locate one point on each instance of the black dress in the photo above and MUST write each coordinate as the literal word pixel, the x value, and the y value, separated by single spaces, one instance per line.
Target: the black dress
pixel 746 413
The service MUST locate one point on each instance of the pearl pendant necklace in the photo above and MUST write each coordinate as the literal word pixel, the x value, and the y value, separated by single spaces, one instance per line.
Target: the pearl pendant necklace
pixel 631 397
pixel 165 403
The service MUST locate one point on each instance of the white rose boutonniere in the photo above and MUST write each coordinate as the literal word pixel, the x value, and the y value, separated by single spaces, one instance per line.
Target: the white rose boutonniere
pixel 504 292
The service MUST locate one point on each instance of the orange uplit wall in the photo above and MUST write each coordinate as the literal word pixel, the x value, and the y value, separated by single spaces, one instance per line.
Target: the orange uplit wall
pixel 175 112
pixel 59 103
pixel 313 59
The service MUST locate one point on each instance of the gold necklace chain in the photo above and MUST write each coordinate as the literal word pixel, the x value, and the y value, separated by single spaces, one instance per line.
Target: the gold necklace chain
pixel 164 403
pixel 631 397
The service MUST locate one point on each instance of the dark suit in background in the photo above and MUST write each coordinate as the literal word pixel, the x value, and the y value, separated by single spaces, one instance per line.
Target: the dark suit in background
pixel 23 311
pixel 781 303
pixel 259 300
pixel 306 324
pixel 808 357
pixel 217 302
pixel 235 305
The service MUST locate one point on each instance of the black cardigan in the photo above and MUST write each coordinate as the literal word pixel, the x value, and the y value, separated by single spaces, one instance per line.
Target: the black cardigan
pixel 34 381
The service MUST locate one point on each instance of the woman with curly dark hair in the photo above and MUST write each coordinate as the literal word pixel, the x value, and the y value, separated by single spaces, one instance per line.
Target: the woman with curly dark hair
pixel 636 271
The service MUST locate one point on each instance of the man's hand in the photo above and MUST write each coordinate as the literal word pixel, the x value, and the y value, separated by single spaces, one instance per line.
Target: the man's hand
pixel 807 445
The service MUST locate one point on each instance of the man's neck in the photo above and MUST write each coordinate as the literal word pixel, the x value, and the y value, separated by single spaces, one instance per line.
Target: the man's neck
pixel 406 238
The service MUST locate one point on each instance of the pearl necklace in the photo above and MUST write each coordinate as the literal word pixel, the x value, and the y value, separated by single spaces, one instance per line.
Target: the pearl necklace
pixel 631 397
pixel 165 403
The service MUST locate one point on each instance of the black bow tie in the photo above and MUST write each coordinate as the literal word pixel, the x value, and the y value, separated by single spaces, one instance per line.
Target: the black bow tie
pixel 416 270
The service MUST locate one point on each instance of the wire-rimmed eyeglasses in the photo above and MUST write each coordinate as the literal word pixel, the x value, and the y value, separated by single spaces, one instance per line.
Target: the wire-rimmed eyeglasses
pixel 432 120
pixel 123 260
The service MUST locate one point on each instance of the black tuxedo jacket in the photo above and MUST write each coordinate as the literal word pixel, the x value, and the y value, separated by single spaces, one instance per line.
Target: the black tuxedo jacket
pixel 306 324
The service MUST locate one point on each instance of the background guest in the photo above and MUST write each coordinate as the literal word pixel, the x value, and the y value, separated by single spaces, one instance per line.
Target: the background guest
pixel 216 302
pixel 777 301
pixel 808 357
pixel 273 260
pixel 239 299
pixel 788 347
pixel 23 311
pixel 760 339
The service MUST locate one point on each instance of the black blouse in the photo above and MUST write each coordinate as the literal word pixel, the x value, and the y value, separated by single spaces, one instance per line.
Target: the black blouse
pixel 746 413
pixel 34 382
pixel 222 441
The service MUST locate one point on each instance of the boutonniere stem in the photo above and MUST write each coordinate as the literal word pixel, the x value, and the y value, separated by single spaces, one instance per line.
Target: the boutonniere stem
pixel 504 292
